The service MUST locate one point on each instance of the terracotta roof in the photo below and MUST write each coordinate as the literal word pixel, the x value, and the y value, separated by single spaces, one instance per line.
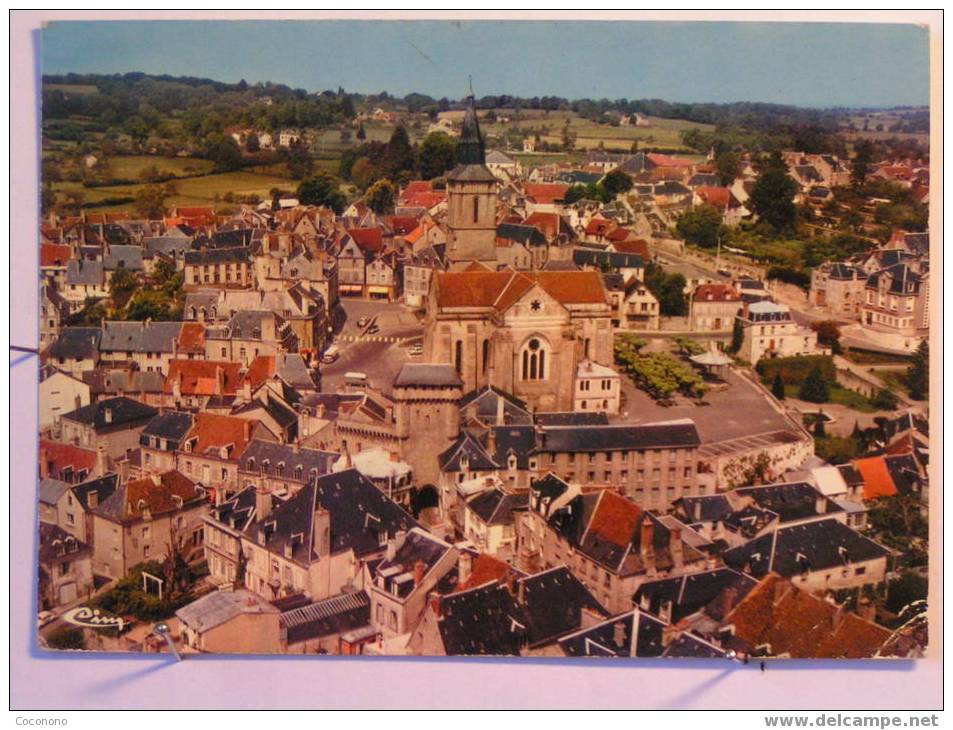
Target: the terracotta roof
pixel 637 246
pixel 660 160
pixel 485 569
pixel 402 225
pixel 417 186
pixel 158 497
pixel 61 456
pixel 424 200
pixel 599 226
pixel 500 289
pixel 720 198
pixel 52 254
pixel 877 479
pixel 260 369
pixel 795 623
pixel 192 337
pixel 196 211
pixel 716 293
pixel 546 223
pixel 615 519
pixel 369 239
pixel 200 377
pixel 416 234
pixel 212 431
pixel 545 192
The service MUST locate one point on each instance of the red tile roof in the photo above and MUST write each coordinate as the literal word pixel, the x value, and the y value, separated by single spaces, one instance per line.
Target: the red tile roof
pixel 660 160
pixel 615 519
pixel 716 293
pixel 159 498
pixel 485 569
pixel 877 479
pixel 52 254
pixel 260 369
pixel 201 377
pixel 424 200
pixel 599 227
pixel 212 431
pixel 402 224
pixel 417 186
pixel 192 337
pixel 545 223
pixel 61 456
pixel 368 239
pixel 545 193
pixel 718 197
pixel 636 245
pixel 499 289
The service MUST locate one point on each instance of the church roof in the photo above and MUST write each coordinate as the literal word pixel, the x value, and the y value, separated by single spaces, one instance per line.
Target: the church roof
pixel 500 289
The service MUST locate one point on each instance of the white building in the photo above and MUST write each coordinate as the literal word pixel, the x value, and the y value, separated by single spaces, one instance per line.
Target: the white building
pixel 597 388
pixel 770 331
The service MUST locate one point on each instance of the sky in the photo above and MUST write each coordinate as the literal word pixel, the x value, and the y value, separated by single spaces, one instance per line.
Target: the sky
pixel 805 64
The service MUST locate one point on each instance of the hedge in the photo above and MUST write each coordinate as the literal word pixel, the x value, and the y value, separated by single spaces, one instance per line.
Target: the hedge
pixel 795 369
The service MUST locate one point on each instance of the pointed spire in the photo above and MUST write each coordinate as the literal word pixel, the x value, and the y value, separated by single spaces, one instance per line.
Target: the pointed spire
pixel 471 150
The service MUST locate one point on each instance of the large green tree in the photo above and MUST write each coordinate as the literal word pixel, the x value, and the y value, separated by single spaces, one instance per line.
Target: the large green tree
pixel 151 199
pixel 727 166
pixel 615 183
pixel 860 165
pixel 918 374
pixel 814 388
pixel 701 226
pixel 322 189
pixel 398 156
pixel 381 195
pixel 122 285
pixel 669 289
pixel 772 197
pixel 438 153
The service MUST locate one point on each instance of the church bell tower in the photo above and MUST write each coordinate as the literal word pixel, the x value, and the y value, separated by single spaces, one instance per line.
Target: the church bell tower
pixel 471 199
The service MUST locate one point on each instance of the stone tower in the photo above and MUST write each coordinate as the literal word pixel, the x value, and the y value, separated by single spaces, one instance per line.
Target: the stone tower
pixel 471 199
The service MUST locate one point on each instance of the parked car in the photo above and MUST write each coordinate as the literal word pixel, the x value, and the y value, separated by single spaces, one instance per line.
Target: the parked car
pixel 330 355
pixel 373 329
pixel 362 322
pixel 416 350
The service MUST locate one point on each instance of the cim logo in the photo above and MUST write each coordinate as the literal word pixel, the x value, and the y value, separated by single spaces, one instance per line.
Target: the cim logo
pixel 91 618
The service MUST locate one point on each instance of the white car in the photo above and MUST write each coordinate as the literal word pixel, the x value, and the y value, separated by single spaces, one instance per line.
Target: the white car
pixel 362 322
pixel 416 350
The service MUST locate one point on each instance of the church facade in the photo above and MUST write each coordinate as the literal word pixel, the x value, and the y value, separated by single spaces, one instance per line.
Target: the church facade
pixel 524 333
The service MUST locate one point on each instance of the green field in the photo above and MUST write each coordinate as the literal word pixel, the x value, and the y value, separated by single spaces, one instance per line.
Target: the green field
pixel 129 167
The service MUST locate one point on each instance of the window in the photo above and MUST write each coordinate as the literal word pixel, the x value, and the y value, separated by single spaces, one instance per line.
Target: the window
pixel 70 518
pixel 458 357
pixel 145 551
pixel 534 360
pixel 486 355
pixel 476 209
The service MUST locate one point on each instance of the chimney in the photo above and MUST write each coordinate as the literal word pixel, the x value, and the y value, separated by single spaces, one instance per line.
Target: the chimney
pixel 491 442
pixel 675 548
pixel 219 380
pixel 520 591
pixel 391 551
pixel 44 463
pixel 102 461
pixel 500 415
pixel 435 604
pixel 464 567
pixel 108 415
pixel 420 567
pixel 322 531
pixel 124 471
pixel 296 446
pixel 697 510
pixel 646 545
pixel 262 502
pixel 246 428
pixel 246 390
pixel 820 504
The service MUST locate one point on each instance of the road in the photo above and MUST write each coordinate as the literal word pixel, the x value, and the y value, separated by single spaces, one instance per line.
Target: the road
pixel 380 355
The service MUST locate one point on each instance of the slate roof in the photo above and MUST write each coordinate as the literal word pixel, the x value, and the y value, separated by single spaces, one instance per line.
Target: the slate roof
pixel 694 591
pixel 469 447
pixel 139 336
pixel 613 259
pixel 219 607
pixel 428 375
pixel 128 257
pixel 216 256
pixel 81 343
pixel 689 646
pixel 129 500
pixel 482 621
pixel 633 634
pixel 239 511
pixel 514 440
pixel 552 602
pixel 85 273
pixel 312 463
pixel 55 542
pixel 471 173
pixel 397 573
pixel 123 411
pixel 794 501
pixel 51 490
pixel 812 546
pixel 335 615
pixel 166 244
pixel 485 401
pixel 903 279
pixel 572 418
pixel 495 507
pixel 574 439
pixel 527 235
pixel 169 425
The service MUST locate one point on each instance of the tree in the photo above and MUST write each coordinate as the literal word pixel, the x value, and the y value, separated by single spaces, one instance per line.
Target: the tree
pixel 122 285
pixel 828 335
pixel 669 289
pixel 398 155
pixel 727 167
pixel 635 147
pixel 701 226
pixel 298 160
pixel 361 134
pixel 885 400
pixel 863 156
pixel 819 430
pixel 438 153
pixel 814 388
pixel 772 197
pixel 224 152
pixel 150 200
pixel 252 143
pixel 380 196
pixel 904 590
pixel 918 374
pixel 322 189
pixel 364 174
pixel 737 336
pixel 777 387
pixel 614 183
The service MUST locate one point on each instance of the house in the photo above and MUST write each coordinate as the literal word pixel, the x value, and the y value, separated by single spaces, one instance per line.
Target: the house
pixel 59 393
pixel 597 388
pixel 489 521
pixel 723 200
pixel 609 543
pixel 248 334
pixel 84 280
pixel 68 505
pixel 635 633
pixel 75 350
pixel 219 267
pixel 315 541
pixel 714 308
pixel 771 331
pixel 150 345
pixel 210 451
pixel 636 307
pixel 889 475
pixel 141 519
pixel 712 593
pixel 54 310
pixel 231 621
pixel 839 287
pixel 896 304
pixel 399 585
pixel 113 425
pixel 818 556
pixel 66 574
pixel 69 463
pixel 504 168
pixel 162 437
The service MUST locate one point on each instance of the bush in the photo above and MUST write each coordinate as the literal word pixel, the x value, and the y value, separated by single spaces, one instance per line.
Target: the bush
pixel 127 598
pixel 885 400
pixel 815 388
pixel 68 637
pixel 906 589
pixel 794 370
pixel 790 275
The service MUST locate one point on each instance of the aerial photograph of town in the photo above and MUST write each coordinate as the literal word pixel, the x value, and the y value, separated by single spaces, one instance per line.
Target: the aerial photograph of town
pixel 471 345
